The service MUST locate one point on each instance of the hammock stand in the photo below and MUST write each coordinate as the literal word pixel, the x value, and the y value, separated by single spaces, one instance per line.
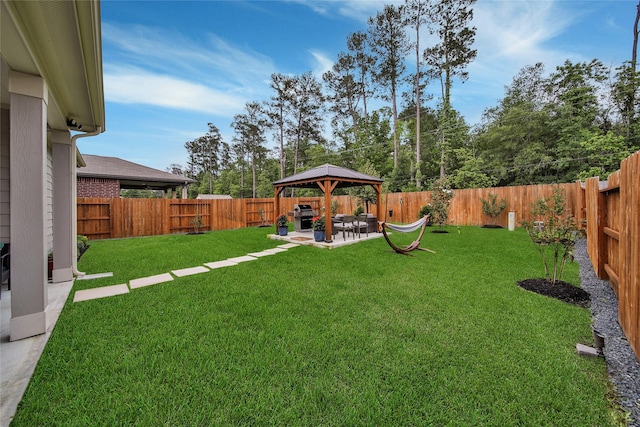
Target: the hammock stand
pixel 407 229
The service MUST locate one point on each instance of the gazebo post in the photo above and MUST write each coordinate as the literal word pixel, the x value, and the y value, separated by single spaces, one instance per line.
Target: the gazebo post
pixel 378 189
pixel 328 228
pixel 276 206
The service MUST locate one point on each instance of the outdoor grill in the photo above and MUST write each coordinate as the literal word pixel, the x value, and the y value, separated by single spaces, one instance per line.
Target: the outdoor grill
pixel 303 217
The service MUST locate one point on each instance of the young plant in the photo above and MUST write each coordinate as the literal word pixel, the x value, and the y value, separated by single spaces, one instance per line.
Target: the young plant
pixel 492 208
pixel 554 232
pixel 334 207
pixel 197 223
pixel 426 210
pixel 441 195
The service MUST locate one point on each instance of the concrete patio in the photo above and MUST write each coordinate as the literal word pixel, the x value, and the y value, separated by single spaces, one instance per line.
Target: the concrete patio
pixel 306 238
pixel 18 359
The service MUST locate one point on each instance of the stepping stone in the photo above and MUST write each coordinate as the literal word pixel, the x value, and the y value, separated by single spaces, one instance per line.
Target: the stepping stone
pixel 276 250
pixel 288 245
pixel 151 280
pixel 189 271
pixel 261 254
pixel 220 264
pixel 94 276
pixel 242 259
pixel 585 350
pixel 102 292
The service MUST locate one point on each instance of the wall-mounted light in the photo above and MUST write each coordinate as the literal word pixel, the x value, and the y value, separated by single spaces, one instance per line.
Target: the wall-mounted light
pixel 72 123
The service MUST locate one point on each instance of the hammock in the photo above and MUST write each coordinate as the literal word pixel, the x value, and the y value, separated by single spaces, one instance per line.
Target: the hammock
pixel 421 223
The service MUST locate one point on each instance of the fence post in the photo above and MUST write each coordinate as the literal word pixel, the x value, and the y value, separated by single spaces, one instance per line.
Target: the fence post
pixel 629 286
pixel 596 221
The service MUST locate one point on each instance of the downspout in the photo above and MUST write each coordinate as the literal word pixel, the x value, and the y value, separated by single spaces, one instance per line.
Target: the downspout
pixel 74 197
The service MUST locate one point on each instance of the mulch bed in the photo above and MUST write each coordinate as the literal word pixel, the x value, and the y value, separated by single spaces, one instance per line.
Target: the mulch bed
pixel 561 290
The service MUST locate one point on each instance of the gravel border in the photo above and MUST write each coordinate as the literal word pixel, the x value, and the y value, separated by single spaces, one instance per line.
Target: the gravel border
pixel 622 364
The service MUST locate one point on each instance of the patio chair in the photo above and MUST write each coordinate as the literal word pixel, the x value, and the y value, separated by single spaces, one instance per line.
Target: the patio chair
pixel 343 223
pixel 360 224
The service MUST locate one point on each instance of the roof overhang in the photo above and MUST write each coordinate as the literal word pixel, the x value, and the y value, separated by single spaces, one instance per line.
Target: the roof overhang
pixel 60 41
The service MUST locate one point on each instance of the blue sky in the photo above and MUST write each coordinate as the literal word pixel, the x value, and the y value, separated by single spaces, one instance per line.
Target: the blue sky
pixel 171 67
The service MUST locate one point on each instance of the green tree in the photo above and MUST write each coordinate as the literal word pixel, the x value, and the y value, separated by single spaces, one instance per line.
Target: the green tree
pixel 469 173
pixel 305 126
pixel 358 47
pixel 416 16
pixel 345 93
pixel 250 140
pixel 390 46
pixel 366 194
pixel 277 109
pixel 451 55
pixel 627 102
pixel 574 111
pixel 204 155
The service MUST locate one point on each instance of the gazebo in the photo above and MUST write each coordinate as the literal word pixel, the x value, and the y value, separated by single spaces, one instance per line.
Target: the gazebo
pixel 328 177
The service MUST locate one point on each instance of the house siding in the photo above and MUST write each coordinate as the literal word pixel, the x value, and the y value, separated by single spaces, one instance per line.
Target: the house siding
pixel 5 194
pixel 49 192
pixel 98 187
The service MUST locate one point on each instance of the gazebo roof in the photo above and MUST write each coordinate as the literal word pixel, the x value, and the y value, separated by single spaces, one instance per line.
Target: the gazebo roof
pixel 345 177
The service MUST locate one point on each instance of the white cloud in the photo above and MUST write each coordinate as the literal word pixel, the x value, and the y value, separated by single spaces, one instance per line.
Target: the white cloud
pixel 133 85
pixel 322 63
pixel 164 68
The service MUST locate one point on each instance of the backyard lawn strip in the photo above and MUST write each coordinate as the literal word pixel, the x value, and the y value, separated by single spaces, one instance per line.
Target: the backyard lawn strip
pixel 351 336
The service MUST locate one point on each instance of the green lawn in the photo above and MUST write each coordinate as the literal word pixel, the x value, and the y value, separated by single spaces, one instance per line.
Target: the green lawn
pixel 352 336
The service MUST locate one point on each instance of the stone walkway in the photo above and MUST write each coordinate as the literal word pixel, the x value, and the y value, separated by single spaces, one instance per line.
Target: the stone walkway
pixel 18 359
pixel 112 290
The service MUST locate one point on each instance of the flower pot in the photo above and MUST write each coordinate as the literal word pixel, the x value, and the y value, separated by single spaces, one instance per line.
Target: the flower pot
pixel 318 235
pixel 283 231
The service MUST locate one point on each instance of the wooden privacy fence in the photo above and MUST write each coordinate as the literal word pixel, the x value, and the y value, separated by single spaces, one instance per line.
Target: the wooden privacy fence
pixel 612 211
pixel 100 218
pixel 466 205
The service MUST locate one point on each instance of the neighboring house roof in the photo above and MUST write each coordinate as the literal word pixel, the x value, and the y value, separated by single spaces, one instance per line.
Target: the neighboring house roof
pixel 345 177
pixel 130 175
pixel 214 197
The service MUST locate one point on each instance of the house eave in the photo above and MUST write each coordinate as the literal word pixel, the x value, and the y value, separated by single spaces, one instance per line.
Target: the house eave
pixel 62 43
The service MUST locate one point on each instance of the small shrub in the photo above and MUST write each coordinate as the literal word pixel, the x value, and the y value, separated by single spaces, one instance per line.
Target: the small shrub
pixel 197 223
pixel 492 208
pixel 83 245
pixel 359 210
pixel 426 210
pixel 554 232
pixel 334 207
pixel 441 195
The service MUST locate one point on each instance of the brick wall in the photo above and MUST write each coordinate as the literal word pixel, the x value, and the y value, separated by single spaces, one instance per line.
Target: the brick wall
pixel 98 187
